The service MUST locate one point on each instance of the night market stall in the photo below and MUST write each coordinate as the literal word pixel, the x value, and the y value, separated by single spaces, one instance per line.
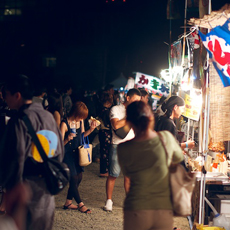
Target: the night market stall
pixel 203 80
pixel 214 186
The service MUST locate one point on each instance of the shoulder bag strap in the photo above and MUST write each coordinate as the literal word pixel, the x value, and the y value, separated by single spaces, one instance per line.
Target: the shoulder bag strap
pixel 35 138
pixel 163 144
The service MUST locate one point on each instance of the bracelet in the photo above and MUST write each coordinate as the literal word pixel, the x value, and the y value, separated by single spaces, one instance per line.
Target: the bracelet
pixel 186 144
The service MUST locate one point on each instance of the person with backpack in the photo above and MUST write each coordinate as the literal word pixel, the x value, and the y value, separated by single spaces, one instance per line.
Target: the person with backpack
pixel 20 160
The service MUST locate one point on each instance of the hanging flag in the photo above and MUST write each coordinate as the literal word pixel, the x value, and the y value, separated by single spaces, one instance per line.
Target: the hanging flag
pixel 217 42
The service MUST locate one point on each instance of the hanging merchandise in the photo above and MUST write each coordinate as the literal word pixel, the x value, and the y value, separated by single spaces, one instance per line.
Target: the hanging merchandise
pixel 176 54
pixel 193 42
pixel 217 42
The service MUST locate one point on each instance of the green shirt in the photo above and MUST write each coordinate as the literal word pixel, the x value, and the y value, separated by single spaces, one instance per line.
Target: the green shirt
pixel 144 162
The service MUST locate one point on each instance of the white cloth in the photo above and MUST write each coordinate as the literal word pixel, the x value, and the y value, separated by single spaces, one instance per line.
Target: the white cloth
pixel 7 223
pixel 119 111
pixel 130 83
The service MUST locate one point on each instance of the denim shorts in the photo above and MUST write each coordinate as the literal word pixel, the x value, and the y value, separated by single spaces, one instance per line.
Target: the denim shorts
pixel 114 167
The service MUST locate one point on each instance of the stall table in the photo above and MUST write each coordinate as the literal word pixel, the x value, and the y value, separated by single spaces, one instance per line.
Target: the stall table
pixel 217 185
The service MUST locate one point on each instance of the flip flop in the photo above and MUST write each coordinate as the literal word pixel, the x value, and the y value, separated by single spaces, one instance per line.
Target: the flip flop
pixel 86 211
pixel 68 207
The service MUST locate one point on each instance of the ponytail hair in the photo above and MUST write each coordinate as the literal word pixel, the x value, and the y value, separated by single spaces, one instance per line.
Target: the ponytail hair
pixel 168 105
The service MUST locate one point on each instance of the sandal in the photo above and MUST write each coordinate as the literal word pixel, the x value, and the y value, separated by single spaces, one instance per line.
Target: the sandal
pixel 87 211
pixel 68 207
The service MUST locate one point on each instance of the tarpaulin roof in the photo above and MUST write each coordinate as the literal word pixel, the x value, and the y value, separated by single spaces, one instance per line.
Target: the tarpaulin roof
pixel 216 18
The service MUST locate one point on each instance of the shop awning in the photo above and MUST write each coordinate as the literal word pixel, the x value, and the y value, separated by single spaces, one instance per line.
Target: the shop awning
pixel 216 18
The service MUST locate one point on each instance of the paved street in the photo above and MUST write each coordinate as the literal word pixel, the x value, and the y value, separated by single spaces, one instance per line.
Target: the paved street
pixel 92 190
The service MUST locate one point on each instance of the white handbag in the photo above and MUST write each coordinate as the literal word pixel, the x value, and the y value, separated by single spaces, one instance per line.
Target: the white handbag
pixel 182 184
pixel 85 151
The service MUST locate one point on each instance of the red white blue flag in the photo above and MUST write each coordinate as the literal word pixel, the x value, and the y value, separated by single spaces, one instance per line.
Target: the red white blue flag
pixel 217 42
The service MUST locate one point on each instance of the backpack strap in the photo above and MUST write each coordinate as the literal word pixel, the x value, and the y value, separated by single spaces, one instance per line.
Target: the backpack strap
pixel 34 137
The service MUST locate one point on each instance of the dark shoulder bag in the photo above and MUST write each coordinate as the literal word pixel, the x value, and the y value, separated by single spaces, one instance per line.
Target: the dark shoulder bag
pixel 56 173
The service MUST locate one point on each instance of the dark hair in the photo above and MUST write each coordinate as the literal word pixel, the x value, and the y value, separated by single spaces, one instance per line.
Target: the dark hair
pixel 108 87
pixel 168 105
pixel 39 90
pixel 143 92
pixel 67 86
pixel 133 92
pixel 19 83
pixel 140 115
pixel 106 97
pixel 79 109
pixel 55 103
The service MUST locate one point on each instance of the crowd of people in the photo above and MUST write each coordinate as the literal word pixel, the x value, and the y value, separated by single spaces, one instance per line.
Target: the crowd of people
pixel 128 143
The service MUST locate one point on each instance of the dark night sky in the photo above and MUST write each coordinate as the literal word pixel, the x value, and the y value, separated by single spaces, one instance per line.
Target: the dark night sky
pixel 93 41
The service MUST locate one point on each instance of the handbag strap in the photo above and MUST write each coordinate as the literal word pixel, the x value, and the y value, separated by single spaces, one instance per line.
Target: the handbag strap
pixel 84 140
pixel 163 144
pixel 35 138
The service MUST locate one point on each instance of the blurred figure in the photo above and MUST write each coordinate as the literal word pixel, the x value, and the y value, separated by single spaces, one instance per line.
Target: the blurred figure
pixel 144 95
pixel 130 83
pixel 105 132
pixel 40 95
pixel 66 99
pixel 118 121
pixel 19 161
pixel 55 106
pixel 116 98
pixel 143 160
pixel 16 201
pixel 109 89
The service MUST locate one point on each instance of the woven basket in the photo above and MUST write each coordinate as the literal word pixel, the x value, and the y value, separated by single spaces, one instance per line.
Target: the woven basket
pixel 219 107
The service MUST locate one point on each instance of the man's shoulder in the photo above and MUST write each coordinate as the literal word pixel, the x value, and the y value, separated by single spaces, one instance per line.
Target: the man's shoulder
pixel 117 111
pixel 118 107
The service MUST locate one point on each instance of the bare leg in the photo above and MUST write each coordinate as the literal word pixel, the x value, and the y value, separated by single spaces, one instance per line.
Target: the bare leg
pixel 16 201
pixel 2 204
pixel 126 184
pixel 68 204
pixel 110 182
pixel 83 208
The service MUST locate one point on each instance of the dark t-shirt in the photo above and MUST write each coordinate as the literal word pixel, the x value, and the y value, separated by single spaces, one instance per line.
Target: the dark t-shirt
pixel 165 123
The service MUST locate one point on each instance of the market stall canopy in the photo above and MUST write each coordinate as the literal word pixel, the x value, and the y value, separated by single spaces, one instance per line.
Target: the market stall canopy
pixel 216 18
pixel 119 82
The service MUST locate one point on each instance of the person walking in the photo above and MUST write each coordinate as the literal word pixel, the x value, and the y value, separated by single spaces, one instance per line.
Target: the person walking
pixel 19 160
pixel 118 122
pixel 147 205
